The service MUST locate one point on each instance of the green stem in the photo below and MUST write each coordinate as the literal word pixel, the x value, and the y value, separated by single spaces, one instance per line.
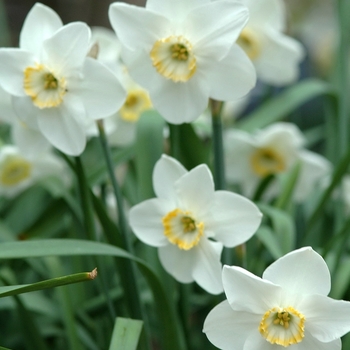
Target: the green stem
pixel 116 189
pixel 175 140
pixel 218 148
pixel 52 283
pixel 132 288
pixel 85 200
pixel 343 77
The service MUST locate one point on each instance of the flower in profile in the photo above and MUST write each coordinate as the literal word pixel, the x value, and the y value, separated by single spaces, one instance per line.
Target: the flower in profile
pixel 55 88
pixel 288 306
pixel 190 222
pixel 18 172
pixel 276 56
pixel 181 52
pixel 274 150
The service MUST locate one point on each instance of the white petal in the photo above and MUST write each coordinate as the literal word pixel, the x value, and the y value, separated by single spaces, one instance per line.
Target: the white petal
pixel 236 218
pixel 62 130
pixel 326 319
pixel 100 90
pixel 278 63
pixel 212 38
pixel 266 12
pixel 180 102
pixel 66 50
pixel 136 27
pixel 239 147
pixel 195 190
pixel 313 169
pixel 175 10
pixel 13 62
pixel 255 341
pixel 287 137
pixel 309 342
pixel 247 292
pixel 40 24
pixel 30 142
pixel 228 329
pixel 177 262
pixel 145 220
pixel 26 111
pixel 301 271
pixel 7 113
pixel 207 266
pixel 165 173
pixel 233 77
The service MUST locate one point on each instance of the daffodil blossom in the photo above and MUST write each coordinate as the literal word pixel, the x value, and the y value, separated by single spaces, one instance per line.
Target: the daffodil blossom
pixel 274 150
pixel 276 56
pixel 190 223
pixel 182 53
pixel 55 88
pixel 287 307
pixel 18 172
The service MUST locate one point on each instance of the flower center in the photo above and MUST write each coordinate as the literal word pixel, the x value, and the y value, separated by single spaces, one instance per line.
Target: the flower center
pixel 43 86
pixel 182 229
pixel 250 43
pixel 282 326
pixel 14 171
pixel 137 101
pixel 173 58
pixel 267 161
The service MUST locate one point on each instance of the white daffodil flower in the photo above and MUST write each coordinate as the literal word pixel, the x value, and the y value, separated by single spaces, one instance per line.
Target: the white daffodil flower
pixel 272 151
pixel 190 222
pixel 182 53
pixel 276 56
pixel 18 172
pixel 287 307
pixel 55 88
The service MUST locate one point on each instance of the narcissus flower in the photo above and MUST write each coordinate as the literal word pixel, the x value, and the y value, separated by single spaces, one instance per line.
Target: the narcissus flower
pixel 190 223
pixel 276 56
pixel 274 150
pixel 287 307
pixel 182 53
pixel 55 88
pixel 18 172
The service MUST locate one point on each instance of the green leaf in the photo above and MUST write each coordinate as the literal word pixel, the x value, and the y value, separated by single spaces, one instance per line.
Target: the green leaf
pixel 21 213
pixel 286 102
pixel 289 181
pixel 126 334
pixel 337 176
pixel 149 148
pixel 168 322
pixel 341 279
pixel 283 228
pixel 267 237
pixel 30 329
pixel 188 148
